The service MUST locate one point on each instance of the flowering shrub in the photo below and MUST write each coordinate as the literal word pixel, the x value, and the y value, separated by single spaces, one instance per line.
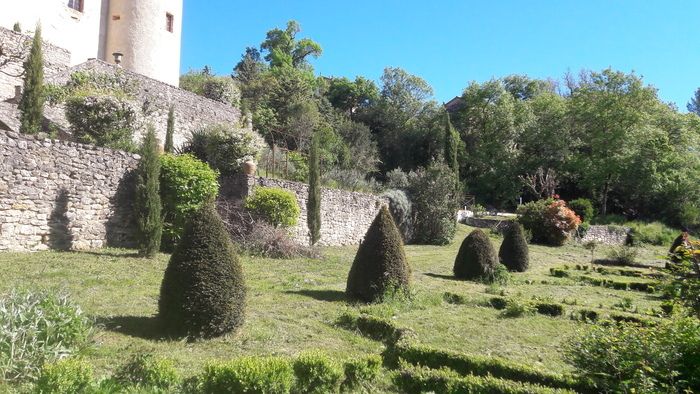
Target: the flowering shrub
pixel 550 221
pixel 224 147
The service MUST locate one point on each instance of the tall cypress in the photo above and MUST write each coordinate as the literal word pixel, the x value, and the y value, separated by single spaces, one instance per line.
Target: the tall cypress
pixel 168 147
pixel 31 105
pixel 451 144
pixel 147 199
pixel 313 202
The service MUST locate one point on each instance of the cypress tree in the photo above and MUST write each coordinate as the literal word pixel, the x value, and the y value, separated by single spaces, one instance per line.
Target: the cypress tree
pixel 451 144
pixel 203 291
pixel 514 253
pixel 168 146
pixel 476 257
pixel 313 202
pixel 380 264
pixel 31 105
pixel 147 198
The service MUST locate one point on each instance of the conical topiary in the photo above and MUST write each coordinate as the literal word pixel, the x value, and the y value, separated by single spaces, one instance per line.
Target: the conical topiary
pixel 203 293
pixel 514 253
pixel 476 257
pixel 380 263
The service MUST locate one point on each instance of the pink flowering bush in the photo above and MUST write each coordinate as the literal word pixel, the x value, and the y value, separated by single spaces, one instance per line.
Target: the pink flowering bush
pixel 549 221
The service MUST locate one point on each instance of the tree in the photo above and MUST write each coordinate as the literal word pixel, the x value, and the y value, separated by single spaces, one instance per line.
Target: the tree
pixel 313 202
pixel 168 146
pixel 31 105
pixel 380 264
pixel 694 104
pixel 349 96
pixel 203 291
pixel 451 145
pixel 476 257
pixel 249 67
pixel 514 253
pixel 147 197
pixel 283 49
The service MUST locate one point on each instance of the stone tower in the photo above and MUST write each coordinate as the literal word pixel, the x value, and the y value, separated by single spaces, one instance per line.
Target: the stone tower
pixel 148 35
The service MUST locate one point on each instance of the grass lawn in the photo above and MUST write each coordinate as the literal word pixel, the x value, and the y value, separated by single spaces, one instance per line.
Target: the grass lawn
pixel 293 304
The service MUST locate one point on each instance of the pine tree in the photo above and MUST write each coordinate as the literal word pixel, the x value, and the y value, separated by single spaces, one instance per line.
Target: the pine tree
pixel 451 145
pixel 380 264
pixel 31 105
pixel 147 199
pixel 203 291
pixel 313 202
pixel 168 147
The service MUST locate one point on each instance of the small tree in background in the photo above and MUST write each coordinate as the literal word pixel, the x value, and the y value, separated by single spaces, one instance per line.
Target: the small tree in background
pixel 168 146
pixel 380 264
pixel 313 202
pixel 514 252
pixel 31 105
pixel 451 146
pixel 203 291
pixel 147 199
pixel 476 258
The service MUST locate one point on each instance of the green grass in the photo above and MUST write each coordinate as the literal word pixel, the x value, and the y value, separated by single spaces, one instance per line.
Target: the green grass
pixel 293 304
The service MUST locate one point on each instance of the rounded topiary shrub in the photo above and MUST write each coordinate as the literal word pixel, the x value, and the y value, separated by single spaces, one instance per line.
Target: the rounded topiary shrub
pixel 275 205
pixel 476 257
pixel 203 293
pixel 514 252
pixel 380 263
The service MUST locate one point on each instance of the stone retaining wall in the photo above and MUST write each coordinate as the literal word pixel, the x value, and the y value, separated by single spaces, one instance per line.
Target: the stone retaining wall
pixel 345 216
pixel 63 195
pixel 607 235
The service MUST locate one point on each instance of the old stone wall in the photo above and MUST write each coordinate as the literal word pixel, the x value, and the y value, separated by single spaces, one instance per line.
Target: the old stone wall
pixel 55 60
pixel 607 235
pixel 63 195
pixel 192 112
pixel 345 216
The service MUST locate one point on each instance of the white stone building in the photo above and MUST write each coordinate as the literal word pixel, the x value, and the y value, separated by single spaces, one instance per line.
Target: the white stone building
pixel 147 32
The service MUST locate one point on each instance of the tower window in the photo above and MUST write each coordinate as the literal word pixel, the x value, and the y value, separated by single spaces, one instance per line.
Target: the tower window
pixel 169 21
pixel 76 5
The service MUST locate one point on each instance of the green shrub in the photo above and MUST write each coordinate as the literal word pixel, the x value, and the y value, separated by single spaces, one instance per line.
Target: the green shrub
pixel 516 308
pixel 623 254
pixel 185 184
pixel 549 309
pixel 218 88
pixel 380 263
pixel 514 252
pixel 147 370
pixel 586 315
pixel 476 257
pixel 361 372
pixel 370 326
pixel 654 233
pixel 499 276
pixel 224 147
pixel 432 193
pixel 67 376
pixel 102 120
pixel 452 298
pixel 202 293
pixel 402 212
pixel 248 375
pixel 626 356
pixel 498 302
pixel 550 221
pixel 317 373
pixel 559 273
pixel 38 328
pixel 583 207
pixel 275 205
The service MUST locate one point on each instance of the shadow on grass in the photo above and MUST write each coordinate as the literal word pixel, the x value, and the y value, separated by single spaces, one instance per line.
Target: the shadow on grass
pixel 441 276
pixel 107 254
pixel 321 295
pixel 145 327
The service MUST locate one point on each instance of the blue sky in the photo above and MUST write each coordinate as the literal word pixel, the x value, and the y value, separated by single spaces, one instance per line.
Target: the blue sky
pixel 450 43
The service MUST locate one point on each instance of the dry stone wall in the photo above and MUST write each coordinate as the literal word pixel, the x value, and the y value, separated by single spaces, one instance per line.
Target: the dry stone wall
pixel 607 235
pixel 345 216
pixel 63 195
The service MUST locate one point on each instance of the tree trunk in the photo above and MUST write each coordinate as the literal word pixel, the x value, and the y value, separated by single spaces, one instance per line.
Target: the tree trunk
pixel 604 202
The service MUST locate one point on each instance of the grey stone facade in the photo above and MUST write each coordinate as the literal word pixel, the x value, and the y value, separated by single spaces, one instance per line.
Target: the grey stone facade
pixel 63 195
pixel 345 216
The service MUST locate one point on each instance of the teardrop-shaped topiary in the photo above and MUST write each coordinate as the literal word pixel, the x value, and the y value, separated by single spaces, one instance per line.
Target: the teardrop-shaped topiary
pixel 380 263
pixel 514 253
pixel 203 292
pixel 476 257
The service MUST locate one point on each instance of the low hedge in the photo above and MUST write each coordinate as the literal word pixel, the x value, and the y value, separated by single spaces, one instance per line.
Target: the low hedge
pixel 485 366
pixel 417 380
pixel 248 375
pixel 371 327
